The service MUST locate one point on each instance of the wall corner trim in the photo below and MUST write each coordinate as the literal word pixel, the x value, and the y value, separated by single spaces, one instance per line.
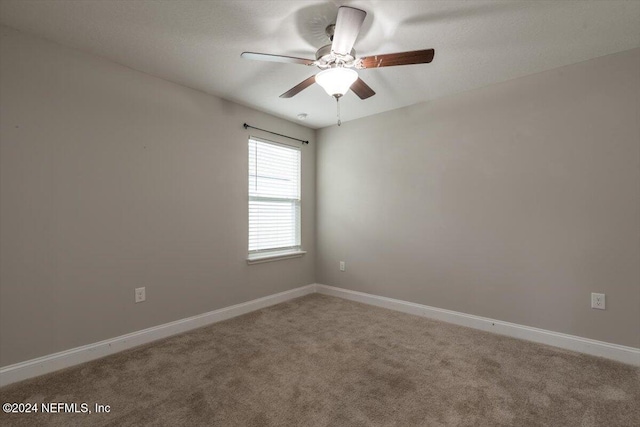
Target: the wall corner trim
pixel 75 356
pixel 620 353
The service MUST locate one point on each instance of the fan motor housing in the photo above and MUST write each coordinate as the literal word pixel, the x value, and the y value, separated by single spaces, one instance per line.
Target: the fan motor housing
pixel 327 58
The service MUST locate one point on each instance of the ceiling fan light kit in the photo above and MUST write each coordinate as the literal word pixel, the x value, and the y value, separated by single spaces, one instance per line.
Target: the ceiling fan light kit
pixel 338 60
pixel 336 81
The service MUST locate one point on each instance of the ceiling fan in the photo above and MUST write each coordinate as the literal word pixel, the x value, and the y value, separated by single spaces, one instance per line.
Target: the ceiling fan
pixel 338 62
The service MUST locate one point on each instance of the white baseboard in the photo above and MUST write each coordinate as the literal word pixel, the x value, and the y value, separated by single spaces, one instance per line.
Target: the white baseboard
pixel 616 352
pixel 64 359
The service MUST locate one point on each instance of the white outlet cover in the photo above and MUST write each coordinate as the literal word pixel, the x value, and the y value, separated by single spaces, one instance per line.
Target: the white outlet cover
pixel 342 266
pixel 598 301
pixel 140 295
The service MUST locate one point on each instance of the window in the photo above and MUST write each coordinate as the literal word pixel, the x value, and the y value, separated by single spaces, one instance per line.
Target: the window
pixel 274 201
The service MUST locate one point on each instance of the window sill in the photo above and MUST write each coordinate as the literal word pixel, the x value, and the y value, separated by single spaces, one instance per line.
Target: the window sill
pixel 260 258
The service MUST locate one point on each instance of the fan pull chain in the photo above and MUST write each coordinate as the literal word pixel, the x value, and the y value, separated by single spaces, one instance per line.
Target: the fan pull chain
pixel 338 105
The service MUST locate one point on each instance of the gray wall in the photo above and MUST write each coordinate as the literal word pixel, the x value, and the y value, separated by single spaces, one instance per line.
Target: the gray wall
pixel 112 179
pixel 513 202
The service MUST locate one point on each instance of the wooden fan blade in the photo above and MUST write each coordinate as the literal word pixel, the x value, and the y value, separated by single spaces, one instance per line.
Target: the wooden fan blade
pixel 401 58
pixel 347 28
pixel 361 89
pixel 276 58
pixel 299 87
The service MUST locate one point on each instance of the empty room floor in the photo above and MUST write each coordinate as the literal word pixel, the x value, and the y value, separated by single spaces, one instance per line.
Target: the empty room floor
pixel 325 361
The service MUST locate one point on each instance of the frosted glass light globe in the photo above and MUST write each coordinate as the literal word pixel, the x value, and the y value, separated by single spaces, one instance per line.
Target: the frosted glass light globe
pixel 336 81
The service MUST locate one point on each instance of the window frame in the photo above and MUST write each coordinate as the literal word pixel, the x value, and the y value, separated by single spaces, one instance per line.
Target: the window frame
pixel 274 254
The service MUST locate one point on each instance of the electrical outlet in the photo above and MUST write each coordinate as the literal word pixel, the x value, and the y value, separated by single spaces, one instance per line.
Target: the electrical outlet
pixel 598 301
pixel 141 295
pixel 342 266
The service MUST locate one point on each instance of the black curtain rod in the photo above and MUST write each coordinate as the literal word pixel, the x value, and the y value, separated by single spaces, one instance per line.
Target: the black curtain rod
pixel 246 126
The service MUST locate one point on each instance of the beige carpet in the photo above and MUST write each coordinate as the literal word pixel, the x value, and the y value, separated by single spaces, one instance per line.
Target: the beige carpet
pixel 324 361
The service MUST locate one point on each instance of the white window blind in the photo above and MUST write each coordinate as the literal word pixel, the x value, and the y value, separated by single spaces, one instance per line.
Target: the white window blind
pixel 274 197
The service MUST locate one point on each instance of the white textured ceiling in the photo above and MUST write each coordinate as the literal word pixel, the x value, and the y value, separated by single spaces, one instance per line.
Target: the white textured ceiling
pixel 198 43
